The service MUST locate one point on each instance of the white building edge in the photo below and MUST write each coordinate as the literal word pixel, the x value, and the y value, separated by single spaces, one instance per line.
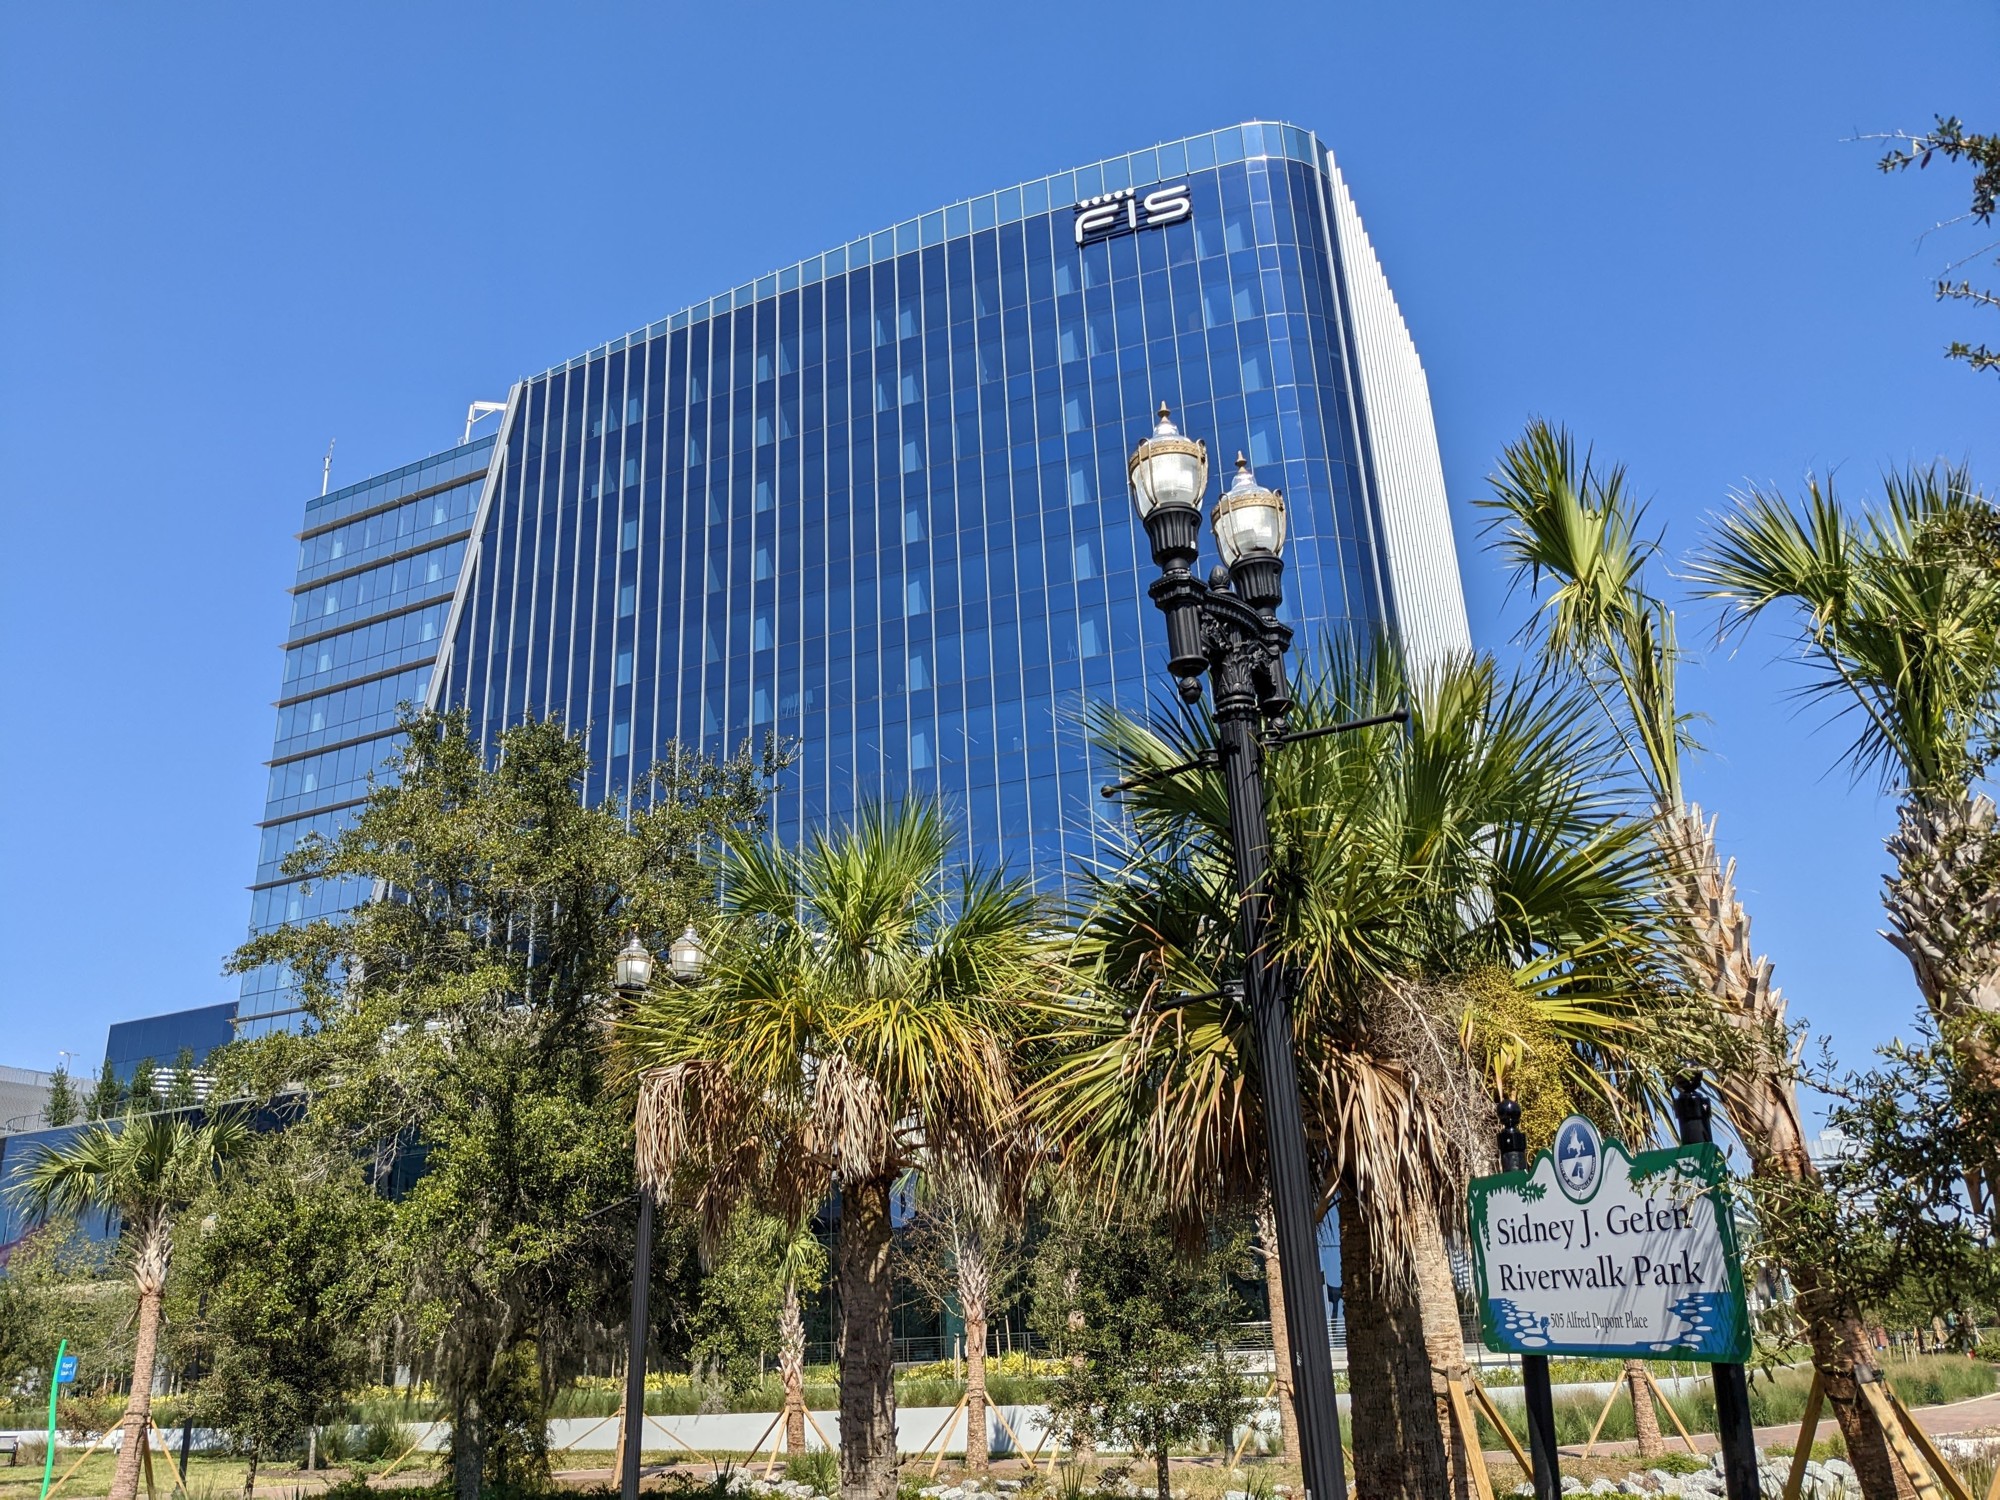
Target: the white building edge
pixel 1404 469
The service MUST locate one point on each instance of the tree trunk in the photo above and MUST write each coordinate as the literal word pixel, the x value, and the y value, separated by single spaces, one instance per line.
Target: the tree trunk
pixel 1762 1103
pixel 1838 1342
pixel 1398 1448
pixel 976 1456
pixel 1281 1343
pixel 792 1368
pixel 250 1471
pixel 1645 1419
pixel 1943 903
pixel 1164 1474
pixel 974 1290
pixel 1444 1337
pixel 867 1382
pixel 139 1409
pixel 1085 1448
pixel 468 1456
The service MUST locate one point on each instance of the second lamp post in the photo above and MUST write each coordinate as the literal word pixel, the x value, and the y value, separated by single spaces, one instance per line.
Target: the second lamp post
pixel 633 978
pixel 1228 628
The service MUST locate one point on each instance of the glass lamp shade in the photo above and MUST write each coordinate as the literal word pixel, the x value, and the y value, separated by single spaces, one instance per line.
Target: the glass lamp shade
pixel 685 955
pixel 635 966
pixel 1248 517
pixel 1167 469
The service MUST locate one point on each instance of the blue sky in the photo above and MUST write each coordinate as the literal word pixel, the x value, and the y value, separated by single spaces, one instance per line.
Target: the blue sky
pixel 233 233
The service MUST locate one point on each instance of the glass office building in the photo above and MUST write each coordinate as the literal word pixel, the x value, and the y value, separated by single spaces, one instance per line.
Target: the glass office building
pixel 379 563
pixel 875 503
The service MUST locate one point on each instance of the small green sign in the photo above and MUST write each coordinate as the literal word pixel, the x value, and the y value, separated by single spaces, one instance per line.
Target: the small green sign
pixel 1596 1252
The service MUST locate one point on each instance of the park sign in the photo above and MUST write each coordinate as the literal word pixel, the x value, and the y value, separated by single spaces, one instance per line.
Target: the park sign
pixel 1596 1252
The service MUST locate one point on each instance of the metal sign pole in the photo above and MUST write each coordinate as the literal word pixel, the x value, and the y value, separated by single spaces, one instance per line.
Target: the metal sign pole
pixel 1535 1387
pixel 1734 1433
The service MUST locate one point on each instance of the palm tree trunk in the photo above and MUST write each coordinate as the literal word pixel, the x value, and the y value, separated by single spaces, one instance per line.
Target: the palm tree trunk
pixel 1444 1337
pixel 139 1409
pixel 1281 1340
pixel 976 1456
pixel 867 1381
pixel 1645 1420
pixel 792 1368
pixel 974 1291
pixel 1398 1448
pixel 1943 903
pixel 1762 1103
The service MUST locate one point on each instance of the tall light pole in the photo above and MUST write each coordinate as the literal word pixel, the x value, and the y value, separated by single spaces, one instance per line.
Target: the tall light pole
pixel 1229 629
pixel 633 978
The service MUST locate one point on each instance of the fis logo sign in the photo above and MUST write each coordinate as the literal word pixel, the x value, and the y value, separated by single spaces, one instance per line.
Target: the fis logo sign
pixel 1118 213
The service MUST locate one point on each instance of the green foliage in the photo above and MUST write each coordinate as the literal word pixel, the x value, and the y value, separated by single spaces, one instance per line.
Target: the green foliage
pixel 458 1027
pixel 62 1106
pixel 1890 1221
pixel 61 1284
pixel 1895 609
pixel 180 1093
pixel 817 1468
pixel 106 1096
pixel 146 1168
pixel 1981 153
pixel 141 1092
pixel 1142 1319
pixel 1486 839
pixel 281 1270
pixel 736 1313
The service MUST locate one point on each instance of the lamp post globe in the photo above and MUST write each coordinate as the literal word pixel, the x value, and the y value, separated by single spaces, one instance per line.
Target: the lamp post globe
pixel 1168 474
pixel 1248 518
pixel 685 956
pixel 634 968
pixel 1167 468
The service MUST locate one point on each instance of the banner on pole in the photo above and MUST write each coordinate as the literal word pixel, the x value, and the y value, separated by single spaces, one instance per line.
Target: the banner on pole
pixel 1594 1251
pixel 66 1369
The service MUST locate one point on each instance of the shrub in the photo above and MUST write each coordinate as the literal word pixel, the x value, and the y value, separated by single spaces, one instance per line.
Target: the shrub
pixel 817 1467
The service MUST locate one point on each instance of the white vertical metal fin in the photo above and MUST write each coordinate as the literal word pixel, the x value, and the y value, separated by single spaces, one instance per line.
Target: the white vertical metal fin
pixel 1403 451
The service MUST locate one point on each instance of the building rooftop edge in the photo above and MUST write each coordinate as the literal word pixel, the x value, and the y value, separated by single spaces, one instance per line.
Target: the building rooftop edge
pixel 1279 138
pixel 1007 205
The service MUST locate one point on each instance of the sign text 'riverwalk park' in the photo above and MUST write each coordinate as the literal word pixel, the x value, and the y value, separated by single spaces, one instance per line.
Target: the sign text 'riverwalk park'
pixel 1594 1251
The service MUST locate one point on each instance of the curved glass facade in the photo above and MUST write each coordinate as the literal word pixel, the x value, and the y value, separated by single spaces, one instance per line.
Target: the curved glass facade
pixel 875 503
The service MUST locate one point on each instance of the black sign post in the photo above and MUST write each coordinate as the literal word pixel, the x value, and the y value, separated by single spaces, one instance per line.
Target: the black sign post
pixel 1734 1433
pixel 1534 1367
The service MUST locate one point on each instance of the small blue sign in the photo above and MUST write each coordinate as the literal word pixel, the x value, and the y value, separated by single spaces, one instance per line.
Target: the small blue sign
pixel 1579 1152
pixel 66 1369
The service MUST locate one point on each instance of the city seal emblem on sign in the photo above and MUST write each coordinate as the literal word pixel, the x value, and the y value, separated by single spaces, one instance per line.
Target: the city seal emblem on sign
pixel 1579 1156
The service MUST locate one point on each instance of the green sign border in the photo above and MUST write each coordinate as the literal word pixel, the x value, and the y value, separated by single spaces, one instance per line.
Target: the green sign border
pixel 1706 1159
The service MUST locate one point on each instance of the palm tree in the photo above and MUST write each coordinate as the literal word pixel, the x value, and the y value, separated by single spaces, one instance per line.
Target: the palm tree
pixel 1479 840
pixel 802 1261
pixel 1573 537
pixel 864 1016
pixel 963 1251
pixel 1898 619
pixel 145 1169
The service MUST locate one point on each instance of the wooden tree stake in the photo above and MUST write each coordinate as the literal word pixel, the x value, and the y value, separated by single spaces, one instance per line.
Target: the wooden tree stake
pixel 1616 1387
pixel 1672 1415
pixel 1475 1455
pixel 1492 1410
pixel 1808 1426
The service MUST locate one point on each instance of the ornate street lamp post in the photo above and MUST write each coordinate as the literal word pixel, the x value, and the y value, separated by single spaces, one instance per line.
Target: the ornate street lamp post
pixel 1229 629
pixel 634 975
